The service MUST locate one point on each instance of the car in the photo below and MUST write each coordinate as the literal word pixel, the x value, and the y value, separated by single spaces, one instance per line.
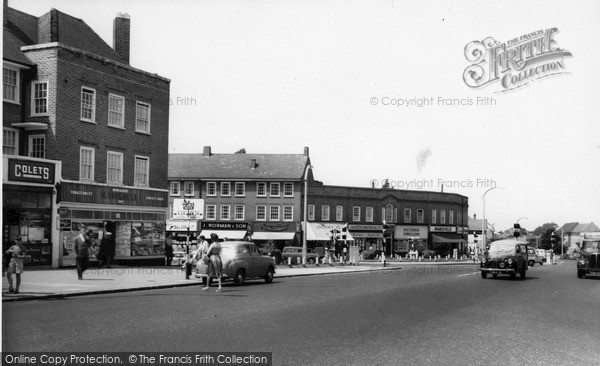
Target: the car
pixel 296 252
pixel 589 262
pixel 242 261
pixel 533 257
pixel 508 256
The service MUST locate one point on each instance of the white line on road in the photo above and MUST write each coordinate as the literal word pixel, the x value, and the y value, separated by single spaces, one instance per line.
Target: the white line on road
pixel 467 274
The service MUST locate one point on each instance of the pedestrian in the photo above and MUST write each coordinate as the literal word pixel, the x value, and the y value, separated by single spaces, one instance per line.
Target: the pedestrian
pixel 169 249
pixel 15 264
pixel 215 267
pixel 82 245
pixel 106 252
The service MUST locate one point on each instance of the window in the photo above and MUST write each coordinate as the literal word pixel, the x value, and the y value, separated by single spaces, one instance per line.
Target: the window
pixel 434 216
pixel 116 111
pixel 288 189
pixel 225 213
pixel 88 104
pixel 442 216
pixel 10 141
pixel 188 188
pixel 39 98
pixel 389 214
pixel 369 214
pixel 141 169
pixel 114 167
pixel 211 212
pixel 211 188
pixel 239 212
pixel 37 146
pixel 86 163
pixel 261 213
pixel 240 189
pixel 275 190
pixel 288 213
pixel 311 212
pixel 356 213
pixel 339 213
pixel 274 213
pixel 407 215
pixel 451 217
pixel 142 117
pixel 225 189
pixel 261 189
pixel 174 190
pixel 10 84
pixel 420 216
pixel 325 213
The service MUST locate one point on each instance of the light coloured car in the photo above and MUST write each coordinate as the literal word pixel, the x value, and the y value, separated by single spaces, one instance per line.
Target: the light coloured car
pixel 533 257
pixel 242 261
pixel 296 253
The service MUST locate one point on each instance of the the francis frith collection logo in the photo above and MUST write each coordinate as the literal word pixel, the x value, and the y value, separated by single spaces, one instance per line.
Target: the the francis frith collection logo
pixel 516 62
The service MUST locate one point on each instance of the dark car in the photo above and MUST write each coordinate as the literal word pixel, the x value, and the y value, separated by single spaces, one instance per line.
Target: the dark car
pixel 241 261
pixel 296 252
pixel 507 256
pixel 589 262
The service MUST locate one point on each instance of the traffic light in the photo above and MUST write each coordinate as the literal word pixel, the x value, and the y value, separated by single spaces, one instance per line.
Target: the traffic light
pixel 553 238
pixel 344 232
pixel 475 236
pixel 517 231
pixel 335 234
pixel 386 231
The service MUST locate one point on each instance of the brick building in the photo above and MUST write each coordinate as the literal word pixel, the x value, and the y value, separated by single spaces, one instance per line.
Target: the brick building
pixel 256 195
pixel 412 220
pixel 72 101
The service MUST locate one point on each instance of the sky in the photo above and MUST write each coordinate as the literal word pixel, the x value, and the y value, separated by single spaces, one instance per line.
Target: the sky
pixel 376 90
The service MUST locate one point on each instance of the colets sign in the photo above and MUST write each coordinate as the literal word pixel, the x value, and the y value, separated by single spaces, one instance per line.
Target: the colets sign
pixel 30 171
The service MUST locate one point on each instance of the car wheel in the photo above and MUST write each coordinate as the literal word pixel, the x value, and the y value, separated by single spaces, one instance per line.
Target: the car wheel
pixel 580 274
pixel 239 278
pixel 310 260
pixel 494 275
pixel 269 275
pixel 483 274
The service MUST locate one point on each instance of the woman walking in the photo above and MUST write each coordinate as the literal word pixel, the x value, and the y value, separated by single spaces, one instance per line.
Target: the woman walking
pixel 215 267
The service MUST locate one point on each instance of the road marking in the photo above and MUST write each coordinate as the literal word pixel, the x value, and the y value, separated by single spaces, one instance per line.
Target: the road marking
pixel 467 274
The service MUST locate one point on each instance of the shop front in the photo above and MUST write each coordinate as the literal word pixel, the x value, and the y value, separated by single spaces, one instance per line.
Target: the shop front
pixel 28 209
pixel 367 237
pixel 411 239
pixel 276 235
pixel 184 235
pixel 135 216
pixel 446 240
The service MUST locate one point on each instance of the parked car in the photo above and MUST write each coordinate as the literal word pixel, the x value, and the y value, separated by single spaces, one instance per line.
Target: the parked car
pixel 242 261
pixel 507 256
pixel 296 252
pixel 533 257
pixel 589 262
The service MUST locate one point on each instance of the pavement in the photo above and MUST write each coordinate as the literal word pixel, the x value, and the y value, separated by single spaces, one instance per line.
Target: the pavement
pixel 58 283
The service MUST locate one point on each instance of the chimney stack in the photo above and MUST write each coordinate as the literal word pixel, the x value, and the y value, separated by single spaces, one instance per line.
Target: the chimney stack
pixel 306 151
pixel 252 163
pixel 121 35
pixel 206 151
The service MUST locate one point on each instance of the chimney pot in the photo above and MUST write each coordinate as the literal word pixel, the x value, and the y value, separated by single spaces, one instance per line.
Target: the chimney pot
pixel 306 151
pixel 206 151
pixel 253 163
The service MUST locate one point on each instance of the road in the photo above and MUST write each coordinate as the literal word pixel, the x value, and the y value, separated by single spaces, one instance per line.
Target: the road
pixel 414 315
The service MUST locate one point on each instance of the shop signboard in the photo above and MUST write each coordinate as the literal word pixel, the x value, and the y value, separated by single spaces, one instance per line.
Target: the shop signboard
pixel 410 232
pixel 110 195
pixel 182 225
pixel 442 229
pixel 275 226
pixel 224 225
pixel 30 171
pixel 190 209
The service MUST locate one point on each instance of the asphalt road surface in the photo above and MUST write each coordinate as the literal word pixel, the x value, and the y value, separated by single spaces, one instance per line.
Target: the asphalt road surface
pixel 413 315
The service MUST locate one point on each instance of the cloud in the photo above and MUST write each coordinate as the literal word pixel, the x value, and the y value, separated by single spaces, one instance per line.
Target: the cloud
pixel 422 158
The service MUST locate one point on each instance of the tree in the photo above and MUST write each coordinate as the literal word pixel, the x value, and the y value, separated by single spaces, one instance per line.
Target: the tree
pixel 241 151
pixel 544 232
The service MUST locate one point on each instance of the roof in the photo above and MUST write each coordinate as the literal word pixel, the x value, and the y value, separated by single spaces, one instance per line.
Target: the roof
pixel 568 227
pixel 585 228
pixel 55 26
pixel 237 166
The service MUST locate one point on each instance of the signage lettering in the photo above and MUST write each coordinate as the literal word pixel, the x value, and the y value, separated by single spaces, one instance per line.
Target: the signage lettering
pixel 30 171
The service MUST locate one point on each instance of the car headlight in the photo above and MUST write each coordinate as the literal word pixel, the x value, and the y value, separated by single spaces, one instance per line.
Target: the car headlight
pixel 583 262
pixel 502 264
pixel 510 261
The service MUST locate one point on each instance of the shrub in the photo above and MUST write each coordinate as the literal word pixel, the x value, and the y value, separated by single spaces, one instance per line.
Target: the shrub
pixel 368 254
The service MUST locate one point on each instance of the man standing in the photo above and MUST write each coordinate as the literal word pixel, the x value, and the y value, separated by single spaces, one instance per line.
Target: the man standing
pixel 106 250
pixel 82 244
pixel 169 249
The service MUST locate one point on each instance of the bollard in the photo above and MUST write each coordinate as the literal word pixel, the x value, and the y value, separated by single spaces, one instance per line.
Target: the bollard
pixel 289 261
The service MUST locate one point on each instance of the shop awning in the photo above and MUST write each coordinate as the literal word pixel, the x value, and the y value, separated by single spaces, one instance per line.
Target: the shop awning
pixel 267 235
pixel 447 238
pixel 224 234
pixel 322 230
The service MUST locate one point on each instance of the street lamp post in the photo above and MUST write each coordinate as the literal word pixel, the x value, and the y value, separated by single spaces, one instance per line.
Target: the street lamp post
pixel 483 224
pixel 304 231
pixel 561 241
pixel 188 205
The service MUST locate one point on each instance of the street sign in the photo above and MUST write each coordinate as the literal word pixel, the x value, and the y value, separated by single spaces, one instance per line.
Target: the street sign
pixel 188 209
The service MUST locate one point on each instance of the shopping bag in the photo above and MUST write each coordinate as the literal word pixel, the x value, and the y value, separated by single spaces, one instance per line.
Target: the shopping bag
pixel 201 269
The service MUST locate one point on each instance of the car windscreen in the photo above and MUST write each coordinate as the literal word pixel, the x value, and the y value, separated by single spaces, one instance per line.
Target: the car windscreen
pixel 501 249
pixel 591 245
